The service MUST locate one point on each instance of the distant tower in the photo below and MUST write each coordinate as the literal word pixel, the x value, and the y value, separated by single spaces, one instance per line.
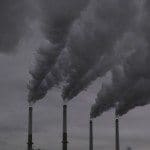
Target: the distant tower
pixel 30 127
pixel 91 135
pixel 117 129
pixel 64 136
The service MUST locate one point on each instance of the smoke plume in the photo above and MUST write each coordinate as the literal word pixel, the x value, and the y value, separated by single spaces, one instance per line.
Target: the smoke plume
pixel 57 17
pixel 53 78
pixel 138 94
pixel 110 93
pixel 92 40
pixel 130 86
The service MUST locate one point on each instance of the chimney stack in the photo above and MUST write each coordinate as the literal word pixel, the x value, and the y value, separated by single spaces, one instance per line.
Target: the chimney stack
pixel 30 127
pixel 64 141
pixel 117 131
pixel 91 135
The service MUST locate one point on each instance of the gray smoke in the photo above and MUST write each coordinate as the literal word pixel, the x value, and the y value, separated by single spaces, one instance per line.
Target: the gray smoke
pixel 130 86
pixel 92 40
pixel 137 95
pixel 110 93
pixel 53 78
pixel 124 78
pixel 57 17
pixel 14 16
pixel 138 69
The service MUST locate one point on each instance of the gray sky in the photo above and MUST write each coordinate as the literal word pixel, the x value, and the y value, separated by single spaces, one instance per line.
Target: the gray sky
pixel 48 112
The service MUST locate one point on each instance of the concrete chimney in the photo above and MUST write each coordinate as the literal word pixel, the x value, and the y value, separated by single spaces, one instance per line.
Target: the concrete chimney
pixel 90 134
pixel 64 141
pixel 117 131
pixel 30 127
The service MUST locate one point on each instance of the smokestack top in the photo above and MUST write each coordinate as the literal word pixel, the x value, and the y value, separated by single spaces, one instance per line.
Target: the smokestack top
pixel 116 115
pixel 91 119
pixel 65 101
pixel 30 104
pixel 116 107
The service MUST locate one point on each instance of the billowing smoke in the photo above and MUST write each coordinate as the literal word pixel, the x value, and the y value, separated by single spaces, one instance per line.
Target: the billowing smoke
pixel 57 17
pixel 110 92
pixel 130 85
pixel 92 40
pixel 138 69
pixel 13 25
pixel 137 95
pixel 53 78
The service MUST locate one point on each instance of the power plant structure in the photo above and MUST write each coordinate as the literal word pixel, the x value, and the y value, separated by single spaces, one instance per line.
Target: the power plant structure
pixel 64 130
pixel 117 142
pixel 91 134
pixel 30 143
pixel 64 134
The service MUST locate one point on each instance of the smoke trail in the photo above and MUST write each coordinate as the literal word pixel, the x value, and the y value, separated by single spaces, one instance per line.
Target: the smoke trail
pixel 57 17
pixel 124 77
pixel 92 39
pixel 99 70
pixel 137 95
pixel 53 78
pixel 111 93
pixel 131 91
pixel 13 25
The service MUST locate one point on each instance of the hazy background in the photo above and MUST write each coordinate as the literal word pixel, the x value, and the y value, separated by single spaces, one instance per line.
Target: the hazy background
pixel 134 127
pixel 47 119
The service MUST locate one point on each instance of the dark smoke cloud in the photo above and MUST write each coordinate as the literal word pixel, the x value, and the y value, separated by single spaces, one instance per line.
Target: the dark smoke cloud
pixel 111 93
pixel 138 69
pixel 57 17
pixel 124 78
pixel 131 90
pixel 92 40
pixel 14 15
pixel 53 78
pixel 137 95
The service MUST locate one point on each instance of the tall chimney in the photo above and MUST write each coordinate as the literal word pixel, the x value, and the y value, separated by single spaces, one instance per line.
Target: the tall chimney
pixel 30 127
pixel 91 135
pixel 64 141
pixel 117 131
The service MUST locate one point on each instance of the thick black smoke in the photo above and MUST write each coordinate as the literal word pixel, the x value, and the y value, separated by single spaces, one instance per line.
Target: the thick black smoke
pixel 14 15
pixel 131 89
pixel 57 17
pixel 92 40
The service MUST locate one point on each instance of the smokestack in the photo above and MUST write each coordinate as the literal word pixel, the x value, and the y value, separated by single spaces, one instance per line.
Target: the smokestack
pixel 117 130
pixel 30 127
pixel 64 141
pixel 91 135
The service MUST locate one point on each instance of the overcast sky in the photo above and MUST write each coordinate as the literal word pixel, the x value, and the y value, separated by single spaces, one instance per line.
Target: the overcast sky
pixel 47 114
